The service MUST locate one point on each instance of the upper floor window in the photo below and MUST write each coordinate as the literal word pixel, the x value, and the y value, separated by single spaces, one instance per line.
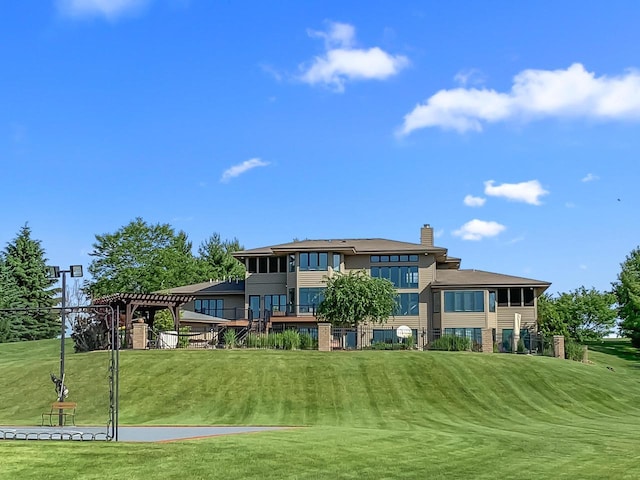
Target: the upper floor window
pixel 401 277
pixel 267 265
pixel 516 297
pixel 213 307
pixel 464 301
pixel 336 262
pixel 393 258
pixel 314 261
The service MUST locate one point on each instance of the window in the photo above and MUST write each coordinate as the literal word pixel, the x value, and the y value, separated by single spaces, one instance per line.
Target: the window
pixel 275 303
pixel 515 297
pixel 401 277
pixel 492 301
pixel 389 335
pixel 310 298
pixel 464 301
pixel 475 334
pixel 436 302
pixel 529 297
pixel 292 262
pixel 336 262
pixel 254 306
pixel 407 304
pixel 252 266
pixel 503 297
pixel 393 258
pixel 314 261
pixel 213 307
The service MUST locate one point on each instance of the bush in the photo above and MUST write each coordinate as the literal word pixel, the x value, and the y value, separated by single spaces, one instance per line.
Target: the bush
pixel 307 342
pixel 521 346
pixel 573 351
pixel 451 343
pixel 90 333
pixel 163 321
pixel 230 338
pixel 290 340
pixel 183 337
pixel 274 340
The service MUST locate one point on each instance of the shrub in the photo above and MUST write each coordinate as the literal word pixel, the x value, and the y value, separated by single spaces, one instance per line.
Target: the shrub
pixel 183 337
pixel 307 342
pixel 230 338
pixel 163 321
pixel 290 340
pixel 495 348
pixel 451 343
pixel 521 346
pixel 274 340
pixel 409 342
pixel 573 351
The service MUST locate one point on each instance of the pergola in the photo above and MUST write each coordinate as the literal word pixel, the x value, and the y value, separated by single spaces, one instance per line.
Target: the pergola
pixel 147 303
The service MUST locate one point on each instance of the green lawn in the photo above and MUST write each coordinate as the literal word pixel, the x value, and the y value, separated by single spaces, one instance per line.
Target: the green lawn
pixel 365 414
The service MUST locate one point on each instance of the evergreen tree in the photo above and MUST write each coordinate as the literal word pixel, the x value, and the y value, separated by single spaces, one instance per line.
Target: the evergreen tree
pixel 25 265
pixel 215 260
pixel 10 321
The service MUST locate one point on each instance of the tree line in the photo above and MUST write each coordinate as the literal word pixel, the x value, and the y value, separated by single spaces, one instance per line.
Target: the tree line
pixel 138 257
pixel 142 258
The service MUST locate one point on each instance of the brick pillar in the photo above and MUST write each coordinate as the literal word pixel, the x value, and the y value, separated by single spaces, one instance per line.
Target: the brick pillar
pixel 558 346
pixel 487 340
pixel 324 337
pixel 585 354
pixel 139 337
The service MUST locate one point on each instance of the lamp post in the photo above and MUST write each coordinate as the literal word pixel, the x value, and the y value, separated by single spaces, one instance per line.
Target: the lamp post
pixel 55 272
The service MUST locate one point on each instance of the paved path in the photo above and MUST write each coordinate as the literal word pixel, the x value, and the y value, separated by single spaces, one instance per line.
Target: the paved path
pixel 125 433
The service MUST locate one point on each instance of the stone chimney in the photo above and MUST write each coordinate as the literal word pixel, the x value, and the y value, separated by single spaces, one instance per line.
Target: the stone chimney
pixel 426 235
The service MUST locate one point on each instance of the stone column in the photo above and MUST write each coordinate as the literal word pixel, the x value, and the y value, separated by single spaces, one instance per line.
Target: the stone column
pixel 487 340
pixel 139 337
pixel 585 354
pixel 324 337
pixel 558 346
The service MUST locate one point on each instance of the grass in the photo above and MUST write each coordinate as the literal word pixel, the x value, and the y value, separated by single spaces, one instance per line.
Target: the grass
pixel 374 414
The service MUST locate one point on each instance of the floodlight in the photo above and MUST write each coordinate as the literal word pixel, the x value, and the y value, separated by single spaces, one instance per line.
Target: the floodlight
pixel 76 270
pixel 52 272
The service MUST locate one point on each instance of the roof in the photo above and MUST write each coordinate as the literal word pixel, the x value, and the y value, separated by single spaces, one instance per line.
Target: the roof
pixel 189 316
pixel 151 298
pixel 353 246
pixel 212 287
pixel 480 278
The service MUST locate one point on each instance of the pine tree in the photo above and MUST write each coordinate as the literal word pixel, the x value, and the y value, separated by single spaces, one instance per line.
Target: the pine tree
pixel 11 326
pixel 25 262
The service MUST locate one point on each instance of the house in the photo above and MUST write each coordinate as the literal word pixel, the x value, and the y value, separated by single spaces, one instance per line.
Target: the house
pixel 284 284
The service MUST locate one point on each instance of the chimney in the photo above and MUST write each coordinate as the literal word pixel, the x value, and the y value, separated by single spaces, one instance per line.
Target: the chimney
pixel 426 235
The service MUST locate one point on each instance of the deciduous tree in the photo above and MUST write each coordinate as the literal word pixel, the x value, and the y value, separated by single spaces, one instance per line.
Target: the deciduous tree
pixel 355 297
pixel 627 291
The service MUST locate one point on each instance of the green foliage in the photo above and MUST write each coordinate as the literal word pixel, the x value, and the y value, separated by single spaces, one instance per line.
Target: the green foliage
pixel 627 291
pixel 163 321
pixel 451 343
pixel 307 342
pixel 89 333
pixel 290 340
pixel 275 340
pixel 573 351
pixel 521 347
pixel 215 260
pixel 24 284
pixel 183 337
pixel 143 258
pixel 230 338
pixel 355 297
pixel 580 314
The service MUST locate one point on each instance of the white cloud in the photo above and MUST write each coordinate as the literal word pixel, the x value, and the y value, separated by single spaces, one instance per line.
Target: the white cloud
pixel 472 76
pixel 241 168
pixel 110 9
pixel 478 229
pixel 590 177
pixel 570 93
pixel 471 201
pixel 341 62
pixel 527 192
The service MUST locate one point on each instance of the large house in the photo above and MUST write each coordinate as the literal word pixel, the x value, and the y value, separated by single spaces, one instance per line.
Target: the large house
pixel 284 284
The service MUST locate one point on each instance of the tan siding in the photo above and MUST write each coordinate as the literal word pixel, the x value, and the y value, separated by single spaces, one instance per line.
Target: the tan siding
pixel 266 284
pixel 357 262
pixel 463 320
pixel 506 314
pixel 312 279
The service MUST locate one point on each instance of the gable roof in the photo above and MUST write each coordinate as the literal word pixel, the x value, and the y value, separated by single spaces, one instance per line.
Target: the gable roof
pixel 353 246
pixel 480 278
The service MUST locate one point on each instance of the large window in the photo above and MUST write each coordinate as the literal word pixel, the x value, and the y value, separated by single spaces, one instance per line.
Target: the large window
pixel 401 277
pixel 310 298
pixel 336 262
pixel 393 258
pixel 464 301
pixel 474 334
pixel 516 297
pixel 267 265
pixel 314 261
pixel 275 303
pixel 254 305
pixel 212 307
pixel 407 304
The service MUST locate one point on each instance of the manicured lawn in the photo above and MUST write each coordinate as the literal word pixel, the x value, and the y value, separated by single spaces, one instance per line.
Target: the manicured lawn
pixel 365 414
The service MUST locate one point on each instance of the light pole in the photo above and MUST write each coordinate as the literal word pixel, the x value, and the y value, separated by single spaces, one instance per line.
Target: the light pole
pixel 54 272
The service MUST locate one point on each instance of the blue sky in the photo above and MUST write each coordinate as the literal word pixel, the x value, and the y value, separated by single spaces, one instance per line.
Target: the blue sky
pixel 510 127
